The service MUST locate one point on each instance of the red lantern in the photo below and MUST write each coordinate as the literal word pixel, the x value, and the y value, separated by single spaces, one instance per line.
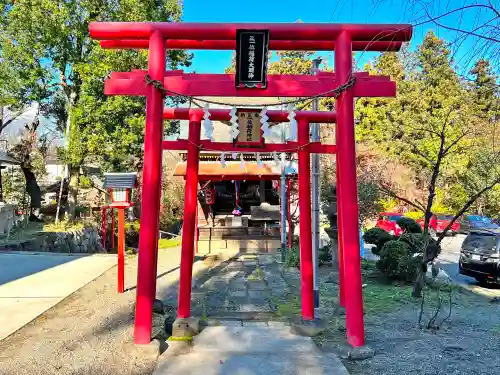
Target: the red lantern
pixel 120 186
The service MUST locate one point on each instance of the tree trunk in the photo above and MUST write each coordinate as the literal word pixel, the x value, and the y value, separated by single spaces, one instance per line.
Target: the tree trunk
pixel 74 182
pixel 33 191
pixel 418 285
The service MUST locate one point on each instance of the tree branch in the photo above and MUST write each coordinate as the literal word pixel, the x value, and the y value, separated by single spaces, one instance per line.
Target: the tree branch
pixel 493 8
pixel 424 130
pixel 454 142
pixel 416 151
pixel 435 175
pixel 433 20
pixel 391 193
pixel 4 124
pixel 469 203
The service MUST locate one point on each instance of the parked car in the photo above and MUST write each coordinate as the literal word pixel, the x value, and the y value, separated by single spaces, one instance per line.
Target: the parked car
pixel 480 255
pixel 439 222
pixel 468 222
pixel 387 222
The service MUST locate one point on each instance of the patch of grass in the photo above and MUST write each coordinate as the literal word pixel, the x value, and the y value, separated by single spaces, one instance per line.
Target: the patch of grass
pixel 288 308
pixel 180 338
pixel 62 226
pixel 368 265
pixel 379 297
pixel 166 243
pixel 496 329
pixel 257 274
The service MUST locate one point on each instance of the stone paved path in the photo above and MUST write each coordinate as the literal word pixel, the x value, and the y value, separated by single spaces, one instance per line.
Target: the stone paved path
pixel 244 288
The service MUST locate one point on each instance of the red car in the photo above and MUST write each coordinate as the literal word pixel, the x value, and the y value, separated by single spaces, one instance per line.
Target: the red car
pixel 387 222
pixel 439 222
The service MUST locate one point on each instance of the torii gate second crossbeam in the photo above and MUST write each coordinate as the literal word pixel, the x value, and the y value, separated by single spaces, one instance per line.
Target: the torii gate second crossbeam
pixel 343 85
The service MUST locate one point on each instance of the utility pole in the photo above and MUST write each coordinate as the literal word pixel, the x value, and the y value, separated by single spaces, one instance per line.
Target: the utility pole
pixel 66 167
pixel 283 196
pixel 315 193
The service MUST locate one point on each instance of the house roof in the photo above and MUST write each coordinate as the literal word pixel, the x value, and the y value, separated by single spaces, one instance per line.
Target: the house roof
pixel 6 159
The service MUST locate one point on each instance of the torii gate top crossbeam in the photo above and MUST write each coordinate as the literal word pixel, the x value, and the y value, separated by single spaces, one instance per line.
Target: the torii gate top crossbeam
pixel 274 45
pixel 227 31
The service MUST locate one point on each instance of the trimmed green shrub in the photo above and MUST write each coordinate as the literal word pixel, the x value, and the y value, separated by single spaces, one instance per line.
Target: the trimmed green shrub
pixel 408 268
pixel 415 242
pixel 397 261
pixel 409 225
pixel 391 255
pixel 377 237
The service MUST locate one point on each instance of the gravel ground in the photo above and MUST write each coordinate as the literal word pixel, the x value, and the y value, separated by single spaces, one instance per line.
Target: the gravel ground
pixel 89 332
pixel 467 343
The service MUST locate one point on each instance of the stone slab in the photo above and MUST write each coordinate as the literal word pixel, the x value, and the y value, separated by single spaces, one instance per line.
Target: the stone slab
pixel 255 350
pixel 256 285
pixel 238 286
pixel 253 307
pixel 185 327
pixel 306 327
pixel 257 294
pixel 237 293
pixel 255 339
pixel 196 363
pixel 230 323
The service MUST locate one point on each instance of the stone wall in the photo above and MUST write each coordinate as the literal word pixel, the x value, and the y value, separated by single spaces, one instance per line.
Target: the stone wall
pixel 84 240
pixel 7 217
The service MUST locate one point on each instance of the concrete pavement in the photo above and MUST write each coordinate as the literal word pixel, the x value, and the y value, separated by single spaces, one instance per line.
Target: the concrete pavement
pixel 31 283
pixel 251 349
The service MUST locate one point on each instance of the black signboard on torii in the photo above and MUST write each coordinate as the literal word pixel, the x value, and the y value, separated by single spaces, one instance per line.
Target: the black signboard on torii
pixel 251 58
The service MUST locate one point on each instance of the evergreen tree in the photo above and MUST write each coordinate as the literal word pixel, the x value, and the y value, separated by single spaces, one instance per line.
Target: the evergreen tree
pixel 485 90
pixel 49 41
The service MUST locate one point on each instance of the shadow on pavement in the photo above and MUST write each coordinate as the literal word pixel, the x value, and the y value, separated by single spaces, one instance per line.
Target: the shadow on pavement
pixel 14 266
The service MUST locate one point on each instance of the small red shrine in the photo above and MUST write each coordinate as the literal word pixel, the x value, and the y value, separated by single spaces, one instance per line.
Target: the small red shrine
pixel 239 202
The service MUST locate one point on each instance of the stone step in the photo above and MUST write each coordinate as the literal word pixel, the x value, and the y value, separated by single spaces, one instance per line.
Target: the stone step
pixel 254 339
pixel 267 245
pixel 239 315
pixel 254 349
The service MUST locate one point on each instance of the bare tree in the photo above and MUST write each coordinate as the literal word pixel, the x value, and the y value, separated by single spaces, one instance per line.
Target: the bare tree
pixel 24 152
pixel 451 144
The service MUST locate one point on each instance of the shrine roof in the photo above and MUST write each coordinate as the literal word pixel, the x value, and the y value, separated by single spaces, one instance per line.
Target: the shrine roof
pixel 234 169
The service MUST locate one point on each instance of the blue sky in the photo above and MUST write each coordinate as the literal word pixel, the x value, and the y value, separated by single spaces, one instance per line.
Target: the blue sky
pixel 335 11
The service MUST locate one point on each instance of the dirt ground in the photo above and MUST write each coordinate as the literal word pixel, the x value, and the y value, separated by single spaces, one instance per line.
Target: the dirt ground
pixel 89 332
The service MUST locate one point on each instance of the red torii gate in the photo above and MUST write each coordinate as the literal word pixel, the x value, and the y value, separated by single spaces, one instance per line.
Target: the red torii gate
pixel 343 38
